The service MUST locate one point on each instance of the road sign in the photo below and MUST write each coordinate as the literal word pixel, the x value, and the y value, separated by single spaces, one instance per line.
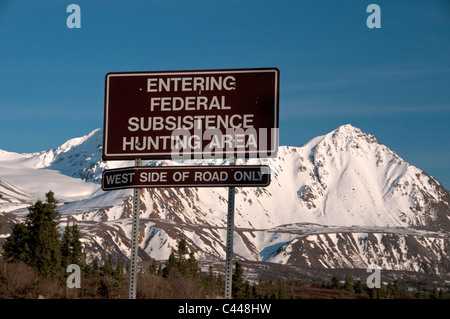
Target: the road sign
pixel 186 176
pixel 191 114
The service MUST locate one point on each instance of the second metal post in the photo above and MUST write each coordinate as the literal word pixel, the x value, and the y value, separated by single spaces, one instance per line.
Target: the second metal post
pixel 230 234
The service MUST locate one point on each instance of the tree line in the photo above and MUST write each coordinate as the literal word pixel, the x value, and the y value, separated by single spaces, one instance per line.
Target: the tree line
pixel 388 291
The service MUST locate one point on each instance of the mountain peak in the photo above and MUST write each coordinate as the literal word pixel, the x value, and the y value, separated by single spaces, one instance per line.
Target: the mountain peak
pixel 348 127
pixel 351 132
pixel 74 142
pixel 347 130
pixel 78 157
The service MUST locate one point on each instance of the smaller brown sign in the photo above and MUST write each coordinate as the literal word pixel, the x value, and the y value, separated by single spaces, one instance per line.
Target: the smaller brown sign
pixel 186 176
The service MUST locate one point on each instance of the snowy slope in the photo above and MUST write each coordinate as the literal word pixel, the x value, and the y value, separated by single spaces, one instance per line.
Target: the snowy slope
pixel 340 200
pixel 69 171
pixel 24 171
pixel 13 198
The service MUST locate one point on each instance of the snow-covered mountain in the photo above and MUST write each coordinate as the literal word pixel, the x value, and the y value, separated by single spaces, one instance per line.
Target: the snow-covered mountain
pixel 342 200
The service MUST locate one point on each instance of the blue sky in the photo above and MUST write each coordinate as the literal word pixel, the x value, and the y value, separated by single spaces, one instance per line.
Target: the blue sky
pixel 393 82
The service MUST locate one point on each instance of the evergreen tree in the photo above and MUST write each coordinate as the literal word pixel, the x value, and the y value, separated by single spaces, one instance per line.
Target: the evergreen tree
pixel 348 284
pixel 65 247
pixel 192 270
pixel 119 279
pixel 103 288
pixel 118 273
pixel 209 282
pixel 220 282
pixel 51 198
pixel 358 287
pixel 247 290
pixel 71 247
pixel 389 291
pixel 107 269
pixel 16 247
pixel 94 269
pixel 282 294
pixel 435 293
pixel 188 268
pixel 160 270
pixel 76 245
pixel 181 250
pixel 44 238
pixel 237 283
pixel 36 242
pixel 127 268
pixel 419 292
pixel 374 293
pixel 335 282
pixel 153 268
pixel 396 289
pixel 170 263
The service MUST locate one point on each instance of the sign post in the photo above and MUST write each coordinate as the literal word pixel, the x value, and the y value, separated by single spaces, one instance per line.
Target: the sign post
pixel 135 237
pixel 230 235
pixel 229 248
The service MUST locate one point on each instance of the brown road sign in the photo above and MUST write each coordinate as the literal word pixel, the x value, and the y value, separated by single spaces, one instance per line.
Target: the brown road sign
pixel 191 114
pixel 186 176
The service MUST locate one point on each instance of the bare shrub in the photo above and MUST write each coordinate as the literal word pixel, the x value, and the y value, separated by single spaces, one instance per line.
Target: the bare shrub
pixel 149 286
pixel 175 286
pixel 90 287
pixel 51 288
pixel 17 280
pixel 184 288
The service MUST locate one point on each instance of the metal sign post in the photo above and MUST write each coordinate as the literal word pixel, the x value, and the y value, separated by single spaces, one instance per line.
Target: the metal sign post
pixel 230 234
pixel 135 238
